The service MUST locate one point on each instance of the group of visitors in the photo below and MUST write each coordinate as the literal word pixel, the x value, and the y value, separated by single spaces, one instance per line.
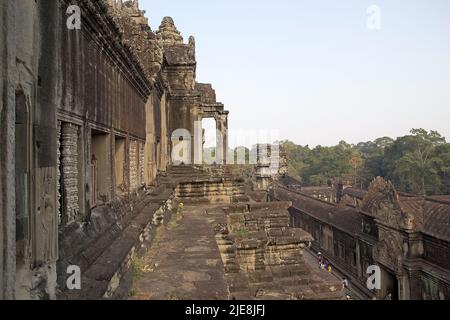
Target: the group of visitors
pixel 324 264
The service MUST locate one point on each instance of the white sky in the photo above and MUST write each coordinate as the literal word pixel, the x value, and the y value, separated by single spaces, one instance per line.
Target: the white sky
pixel 314 71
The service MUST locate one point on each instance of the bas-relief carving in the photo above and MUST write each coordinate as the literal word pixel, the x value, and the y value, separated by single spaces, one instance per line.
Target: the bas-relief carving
pixel 388 251
pixel 382 201
pixel 144 44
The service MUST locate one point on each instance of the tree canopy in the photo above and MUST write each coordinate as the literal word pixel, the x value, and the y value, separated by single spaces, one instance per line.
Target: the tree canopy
pixel 417 163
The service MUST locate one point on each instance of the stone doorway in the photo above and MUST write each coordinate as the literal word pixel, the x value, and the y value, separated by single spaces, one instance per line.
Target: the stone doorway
pixel 100 168
pixel 22 185
pixel 181 147
pixel 119 164
pixel 389 285
pixel 209 141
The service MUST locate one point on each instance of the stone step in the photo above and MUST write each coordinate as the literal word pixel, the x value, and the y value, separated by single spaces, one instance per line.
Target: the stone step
pixel 110 257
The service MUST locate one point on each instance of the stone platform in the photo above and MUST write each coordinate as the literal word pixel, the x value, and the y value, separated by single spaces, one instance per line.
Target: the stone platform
pixel 193 236
pixel 184 261
pixel 206 254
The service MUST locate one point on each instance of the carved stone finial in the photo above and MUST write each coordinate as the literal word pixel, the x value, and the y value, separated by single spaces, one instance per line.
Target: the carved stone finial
pixel 168 32
pixel 192 41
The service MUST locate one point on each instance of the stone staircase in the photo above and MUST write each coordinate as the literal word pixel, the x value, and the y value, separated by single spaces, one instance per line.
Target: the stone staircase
pixel 263 256
pixel 201 185
pixel 104 246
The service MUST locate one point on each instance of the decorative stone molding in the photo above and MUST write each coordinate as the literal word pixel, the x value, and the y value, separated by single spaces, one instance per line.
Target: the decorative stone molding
pixel 382 201
pixel 388 250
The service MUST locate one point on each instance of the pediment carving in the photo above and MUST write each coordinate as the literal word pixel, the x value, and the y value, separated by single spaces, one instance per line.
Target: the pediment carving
pixel 388 251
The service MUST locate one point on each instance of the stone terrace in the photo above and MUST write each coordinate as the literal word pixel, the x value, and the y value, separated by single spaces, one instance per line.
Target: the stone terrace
pixel 184 262
pixel 228 251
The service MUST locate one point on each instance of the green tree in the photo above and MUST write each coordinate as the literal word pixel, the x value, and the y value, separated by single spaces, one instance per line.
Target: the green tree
pixel 414 164
pixel 417 163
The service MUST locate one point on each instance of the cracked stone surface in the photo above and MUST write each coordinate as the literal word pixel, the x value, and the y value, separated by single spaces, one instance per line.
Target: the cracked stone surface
pixel 185 262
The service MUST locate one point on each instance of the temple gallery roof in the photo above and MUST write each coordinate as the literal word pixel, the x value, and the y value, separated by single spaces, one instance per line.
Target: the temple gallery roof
pixel 346 219
pixel 355 192
pixel 428 215
pixel 434 213
pixel 287 180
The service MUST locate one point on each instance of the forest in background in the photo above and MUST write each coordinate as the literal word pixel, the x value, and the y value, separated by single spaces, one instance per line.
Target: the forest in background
pixel 417 163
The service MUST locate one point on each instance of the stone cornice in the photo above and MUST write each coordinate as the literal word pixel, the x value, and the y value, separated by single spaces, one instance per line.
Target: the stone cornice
pixel 98 23
pixel 184 96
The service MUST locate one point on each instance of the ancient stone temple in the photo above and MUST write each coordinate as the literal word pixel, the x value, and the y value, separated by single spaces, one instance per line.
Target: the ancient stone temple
pixel 101 128
pixel 407 236
pixel 94 105
pixel 263 255
pixel 105 193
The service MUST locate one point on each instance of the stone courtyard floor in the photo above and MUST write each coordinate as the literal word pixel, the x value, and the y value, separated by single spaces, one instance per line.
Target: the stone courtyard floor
pixel 183 262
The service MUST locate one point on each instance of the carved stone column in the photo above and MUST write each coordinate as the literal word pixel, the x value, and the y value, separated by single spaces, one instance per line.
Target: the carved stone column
pixel 198 141
pixel 358 259
pixel 219 140
pixel 225 136
pixel 69 161
pixel 221 137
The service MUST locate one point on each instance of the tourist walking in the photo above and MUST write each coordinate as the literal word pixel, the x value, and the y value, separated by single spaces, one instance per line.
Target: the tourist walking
pixel 344 283
pixel 319 259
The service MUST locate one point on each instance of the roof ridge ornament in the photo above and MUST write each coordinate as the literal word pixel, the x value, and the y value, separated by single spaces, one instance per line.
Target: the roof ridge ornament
pixel 168 32
pixel 383 201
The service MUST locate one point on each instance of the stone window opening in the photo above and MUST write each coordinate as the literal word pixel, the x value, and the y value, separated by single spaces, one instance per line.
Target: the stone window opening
pixel 181 149
pixel 100 168
pixel 119 163
pixel 209 141
pixel 22 167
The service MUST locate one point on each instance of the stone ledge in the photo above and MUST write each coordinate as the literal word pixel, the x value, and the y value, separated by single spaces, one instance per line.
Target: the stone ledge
pixel 105 248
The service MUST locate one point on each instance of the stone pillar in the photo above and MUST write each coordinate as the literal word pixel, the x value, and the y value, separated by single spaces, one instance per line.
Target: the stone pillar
pixel 198 141
pixel 69 162
pixel 263 173
pixel 44 217
pixel 225 137
pixel 404 286
pixel 141 164
pixel 219 140
pixel 358 259
pixel 150 144
pixel 165 136
pixel 7 175
pixel 134 175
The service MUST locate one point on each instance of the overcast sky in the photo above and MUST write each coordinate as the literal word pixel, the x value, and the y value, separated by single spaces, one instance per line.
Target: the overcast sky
pixel 321 71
